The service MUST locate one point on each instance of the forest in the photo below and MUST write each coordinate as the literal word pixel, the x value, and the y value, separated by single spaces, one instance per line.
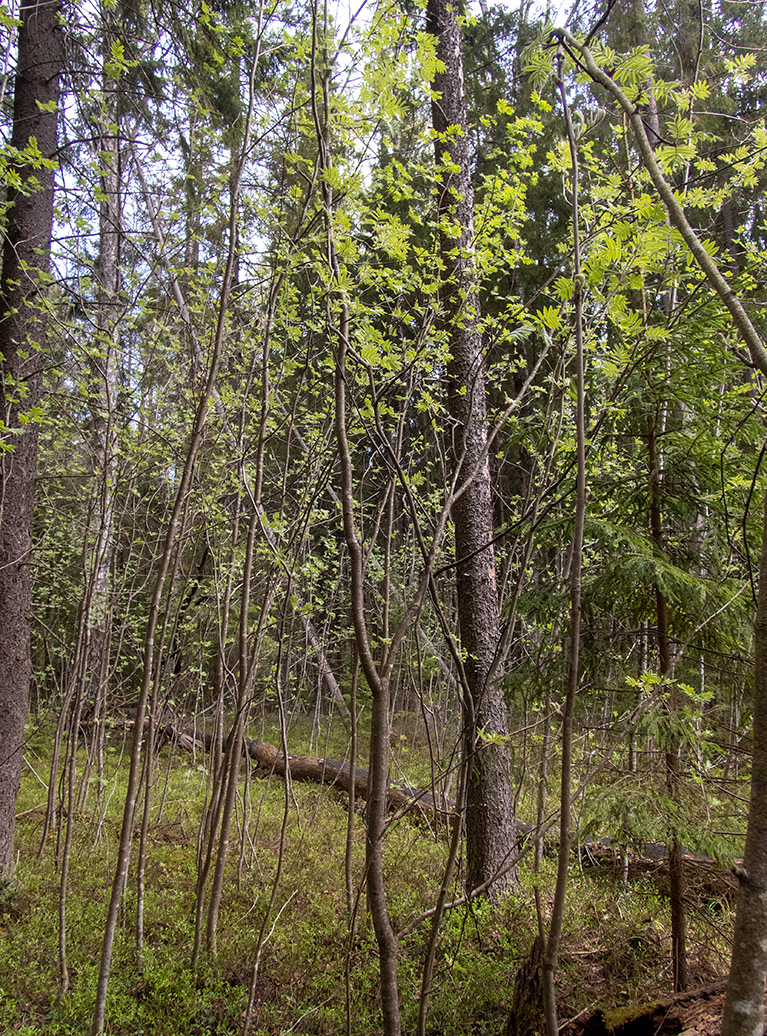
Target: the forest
pixel 383 517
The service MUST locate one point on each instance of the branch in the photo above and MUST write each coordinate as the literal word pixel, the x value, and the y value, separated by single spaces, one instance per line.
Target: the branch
pixel 676 213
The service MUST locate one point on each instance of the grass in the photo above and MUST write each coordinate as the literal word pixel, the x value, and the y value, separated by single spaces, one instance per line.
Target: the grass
pixel 615 950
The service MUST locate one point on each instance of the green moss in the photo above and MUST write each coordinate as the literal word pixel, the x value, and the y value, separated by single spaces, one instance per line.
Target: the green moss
pixel 618 1016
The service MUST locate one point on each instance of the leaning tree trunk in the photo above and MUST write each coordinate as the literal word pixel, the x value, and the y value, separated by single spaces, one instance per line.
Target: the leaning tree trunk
pixel 23 333
pixel 490 810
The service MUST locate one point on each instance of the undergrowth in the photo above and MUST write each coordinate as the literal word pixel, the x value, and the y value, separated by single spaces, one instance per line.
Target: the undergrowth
pixel 615 949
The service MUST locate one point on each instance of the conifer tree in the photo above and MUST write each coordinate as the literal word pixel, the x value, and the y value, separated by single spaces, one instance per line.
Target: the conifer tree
pixel 490 827
pixel 24 330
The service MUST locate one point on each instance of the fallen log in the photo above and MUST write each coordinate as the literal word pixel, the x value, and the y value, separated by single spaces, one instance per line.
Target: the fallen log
pixel 671 1015
pixel 333 772
pixel 705 876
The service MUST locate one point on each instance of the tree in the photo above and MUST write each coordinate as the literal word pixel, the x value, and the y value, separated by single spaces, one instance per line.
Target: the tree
pixel 24 329
pixel 743 1014
pixel 551 948
pixel 490 828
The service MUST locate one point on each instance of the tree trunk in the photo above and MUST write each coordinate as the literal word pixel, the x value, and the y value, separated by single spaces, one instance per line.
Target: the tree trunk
pixel 149 659
pixel 744 1006
pixel 526 1017
pixel 104 391
pixel 551 948
pixel 490 809
pixel 23 333
pixel 676 863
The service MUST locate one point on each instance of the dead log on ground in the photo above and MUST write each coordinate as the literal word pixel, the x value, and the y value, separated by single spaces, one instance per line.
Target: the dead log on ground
pixel 710 881
pixel 334 772
pixel 665 1017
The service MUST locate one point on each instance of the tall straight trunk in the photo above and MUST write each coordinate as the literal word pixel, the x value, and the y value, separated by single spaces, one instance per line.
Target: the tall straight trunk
pixel 490 829
pixel 92 654
pixel 150 658
pixel 551 948
pixel 104 387
pixel 676 862
pixel 23 335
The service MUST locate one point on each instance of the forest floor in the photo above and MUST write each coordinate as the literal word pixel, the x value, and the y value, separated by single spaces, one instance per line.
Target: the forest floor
pixel 318 966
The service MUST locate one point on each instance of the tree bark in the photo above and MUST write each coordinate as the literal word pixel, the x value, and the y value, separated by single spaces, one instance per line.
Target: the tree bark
pixel 23 335
pixel 104 390
pixel 526 1017
pixel 490 809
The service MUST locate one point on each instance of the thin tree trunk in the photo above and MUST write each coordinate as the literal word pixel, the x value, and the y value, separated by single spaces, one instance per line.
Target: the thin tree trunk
pixel 198 428
pixel 378 678
pixel 676 863
pixel 149 754
pixel 23 338
pixel 126 835
pixel 211 815
pixel 543 786
pixel 378 781
pixel 349 853
pixel 104 388
pixel 74 735
pixel 235 755
pixel 266 923
pixel 551 948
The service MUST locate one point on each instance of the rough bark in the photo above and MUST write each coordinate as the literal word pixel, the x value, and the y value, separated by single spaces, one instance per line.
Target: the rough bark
pixel 490 810
pixel 526 1017
pixel 23 333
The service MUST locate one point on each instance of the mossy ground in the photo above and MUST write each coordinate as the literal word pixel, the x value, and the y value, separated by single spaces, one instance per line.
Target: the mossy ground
pixel 615 950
